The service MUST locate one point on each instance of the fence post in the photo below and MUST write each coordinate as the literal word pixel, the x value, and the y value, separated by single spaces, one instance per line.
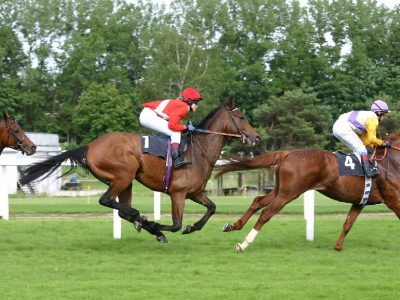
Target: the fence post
pixel 116 224
pixel 4 205
pixel 309 214
pixel 157 205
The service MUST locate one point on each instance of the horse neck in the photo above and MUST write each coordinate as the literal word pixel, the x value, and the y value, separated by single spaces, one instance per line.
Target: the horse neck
pixel 3 136
pixel 211 144
pixel 208 148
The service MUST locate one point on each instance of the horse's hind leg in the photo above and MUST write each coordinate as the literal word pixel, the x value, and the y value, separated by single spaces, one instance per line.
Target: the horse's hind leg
pixel 128 213
pixel 352 216
pixel 258 203
pixel 125 200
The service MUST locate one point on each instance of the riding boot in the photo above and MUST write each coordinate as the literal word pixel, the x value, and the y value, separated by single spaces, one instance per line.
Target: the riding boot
pixel 178 159
pixel 369 169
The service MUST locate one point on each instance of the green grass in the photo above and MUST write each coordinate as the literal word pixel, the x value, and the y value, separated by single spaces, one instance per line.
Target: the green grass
pixel 78 259
pixel 52 249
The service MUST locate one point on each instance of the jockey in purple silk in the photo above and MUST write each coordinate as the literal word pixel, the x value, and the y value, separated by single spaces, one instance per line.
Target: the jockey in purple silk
pixel 357 129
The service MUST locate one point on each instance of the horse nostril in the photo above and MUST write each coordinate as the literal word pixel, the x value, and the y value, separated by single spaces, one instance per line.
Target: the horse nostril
pixel 33 148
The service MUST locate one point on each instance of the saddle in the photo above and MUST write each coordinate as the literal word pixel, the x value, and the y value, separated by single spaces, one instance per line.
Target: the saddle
pixel 158 145
pixel 161 147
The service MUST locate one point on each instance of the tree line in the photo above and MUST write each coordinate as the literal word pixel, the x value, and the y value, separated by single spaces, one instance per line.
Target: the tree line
pixel 81 68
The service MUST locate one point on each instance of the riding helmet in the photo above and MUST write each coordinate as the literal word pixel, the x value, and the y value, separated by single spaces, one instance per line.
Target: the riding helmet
pixel 380 106
pixel 191 94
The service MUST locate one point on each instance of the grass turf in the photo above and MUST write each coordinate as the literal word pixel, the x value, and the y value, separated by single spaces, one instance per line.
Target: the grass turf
pixel 78 259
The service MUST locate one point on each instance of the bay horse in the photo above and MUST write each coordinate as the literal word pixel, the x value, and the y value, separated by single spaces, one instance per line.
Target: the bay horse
pixel 13 136
pixel 297 171
pixel 116 159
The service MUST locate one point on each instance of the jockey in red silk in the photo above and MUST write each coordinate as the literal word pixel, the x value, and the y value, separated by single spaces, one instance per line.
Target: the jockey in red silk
pixel 357 129
pixel 164 116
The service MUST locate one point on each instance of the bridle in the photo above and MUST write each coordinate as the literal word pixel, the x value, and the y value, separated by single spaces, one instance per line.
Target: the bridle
pixel 11 133
pixel 243 138
pixel 240 134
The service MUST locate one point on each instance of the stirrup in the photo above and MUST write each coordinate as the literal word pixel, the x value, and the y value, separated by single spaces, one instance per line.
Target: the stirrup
pixel 179 163
pixel 371 172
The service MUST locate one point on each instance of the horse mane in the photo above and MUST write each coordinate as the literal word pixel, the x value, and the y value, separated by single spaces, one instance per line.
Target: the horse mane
pixel 204 123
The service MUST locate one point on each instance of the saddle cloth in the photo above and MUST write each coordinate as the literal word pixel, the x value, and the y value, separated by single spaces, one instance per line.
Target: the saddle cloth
pixel 349 164
pixel 158 145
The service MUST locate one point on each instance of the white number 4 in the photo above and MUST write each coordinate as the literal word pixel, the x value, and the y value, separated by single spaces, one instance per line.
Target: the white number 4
pixel 349 162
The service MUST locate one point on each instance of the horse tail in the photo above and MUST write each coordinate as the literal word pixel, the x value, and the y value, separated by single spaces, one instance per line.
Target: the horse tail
pixel 266 160
pixel 44 169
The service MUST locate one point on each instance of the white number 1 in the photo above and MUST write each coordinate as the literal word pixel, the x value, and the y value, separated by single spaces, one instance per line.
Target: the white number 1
pixel 146 141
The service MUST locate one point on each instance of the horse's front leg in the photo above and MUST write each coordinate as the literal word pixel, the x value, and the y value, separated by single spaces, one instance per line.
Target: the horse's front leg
pixel 354 212
pixel 258 203
pixel 177 205
pixel 203 200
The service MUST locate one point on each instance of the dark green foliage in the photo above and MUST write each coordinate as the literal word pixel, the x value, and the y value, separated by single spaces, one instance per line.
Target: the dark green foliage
pixel 342 54
pixel 102 109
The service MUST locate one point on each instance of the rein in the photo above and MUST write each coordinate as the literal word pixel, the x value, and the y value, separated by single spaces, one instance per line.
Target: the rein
pixel 240 135
pixel 216 132
pixel 374 156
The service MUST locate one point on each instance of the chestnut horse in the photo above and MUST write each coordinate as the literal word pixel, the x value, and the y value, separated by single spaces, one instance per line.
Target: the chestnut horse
pixel 116 159
pixel 312 169
pixel 12 136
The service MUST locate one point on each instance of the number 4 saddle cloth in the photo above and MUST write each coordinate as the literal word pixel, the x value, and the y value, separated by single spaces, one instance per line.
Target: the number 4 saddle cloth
pixel 349 164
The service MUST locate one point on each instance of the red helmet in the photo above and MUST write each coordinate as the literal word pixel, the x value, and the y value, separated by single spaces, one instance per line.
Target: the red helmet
pixel 191 94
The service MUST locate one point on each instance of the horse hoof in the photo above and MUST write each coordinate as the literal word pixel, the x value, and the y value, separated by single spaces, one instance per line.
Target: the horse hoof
pixel 162 239
pixel 226 228
pixel 187 229
pixel 239 248
pixel 138 226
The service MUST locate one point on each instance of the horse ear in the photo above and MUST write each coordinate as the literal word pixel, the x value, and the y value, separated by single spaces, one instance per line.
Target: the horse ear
pixel 5 115
pixel 230 103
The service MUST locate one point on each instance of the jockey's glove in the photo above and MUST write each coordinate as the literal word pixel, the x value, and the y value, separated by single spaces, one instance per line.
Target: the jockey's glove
pixel 191 127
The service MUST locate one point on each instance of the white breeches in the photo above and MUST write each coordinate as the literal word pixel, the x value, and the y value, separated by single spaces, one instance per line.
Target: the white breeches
pixel 149 119
pixel 343 131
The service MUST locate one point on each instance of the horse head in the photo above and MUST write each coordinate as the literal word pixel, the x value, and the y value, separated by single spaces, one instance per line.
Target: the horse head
pixel 16 137
pixel 238 124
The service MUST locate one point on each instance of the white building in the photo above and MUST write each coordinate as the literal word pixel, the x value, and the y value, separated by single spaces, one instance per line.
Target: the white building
pixel 47 145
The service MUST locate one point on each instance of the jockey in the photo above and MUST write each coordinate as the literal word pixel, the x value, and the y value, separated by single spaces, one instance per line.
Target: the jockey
pixel 357 129
pixel 164 116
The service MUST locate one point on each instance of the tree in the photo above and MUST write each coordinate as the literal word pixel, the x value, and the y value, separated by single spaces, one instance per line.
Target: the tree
pixel 102 109
pixel 294 120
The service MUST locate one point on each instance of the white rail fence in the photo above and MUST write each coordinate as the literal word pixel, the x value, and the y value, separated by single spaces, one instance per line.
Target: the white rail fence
pixel 117 224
